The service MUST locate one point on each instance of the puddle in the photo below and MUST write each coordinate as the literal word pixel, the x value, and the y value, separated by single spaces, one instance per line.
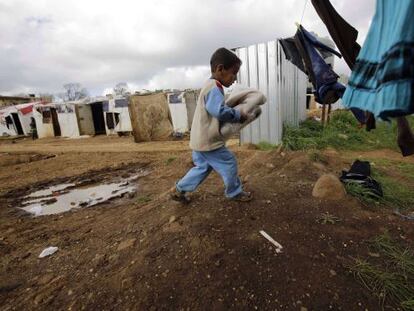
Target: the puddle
pixel 58 199
pixel 49 191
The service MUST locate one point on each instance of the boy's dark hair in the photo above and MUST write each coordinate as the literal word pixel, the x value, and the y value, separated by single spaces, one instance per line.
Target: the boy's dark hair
pixel 224 57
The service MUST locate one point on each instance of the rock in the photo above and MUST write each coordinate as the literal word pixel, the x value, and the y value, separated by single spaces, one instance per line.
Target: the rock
pixel 332 272
pixel 270 165
pixel 303 309
pixel 126 244
pixel 330 187
pixel 172 219
pixel 279 149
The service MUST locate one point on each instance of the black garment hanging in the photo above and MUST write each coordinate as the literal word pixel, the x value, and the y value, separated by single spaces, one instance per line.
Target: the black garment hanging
pixel 344 36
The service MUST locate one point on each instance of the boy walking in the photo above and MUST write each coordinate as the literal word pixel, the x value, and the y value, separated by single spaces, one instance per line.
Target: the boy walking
pixel 208 145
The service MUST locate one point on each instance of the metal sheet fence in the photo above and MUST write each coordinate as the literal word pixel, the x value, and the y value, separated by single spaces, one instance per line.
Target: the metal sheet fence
pixel 265 68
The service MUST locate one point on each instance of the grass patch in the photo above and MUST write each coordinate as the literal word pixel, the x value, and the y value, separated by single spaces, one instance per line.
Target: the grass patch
pixel 391 279
pixel 341 133
pixel 318 157
pixel 396 194
pixel 170 160
pixel 265 146
pixel 144 199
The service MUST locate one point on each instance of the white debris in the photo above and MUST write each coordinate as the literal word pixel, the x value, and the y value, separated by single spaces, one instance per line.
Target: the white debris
pixel 36 210
pixel 278 246
pixel 48 251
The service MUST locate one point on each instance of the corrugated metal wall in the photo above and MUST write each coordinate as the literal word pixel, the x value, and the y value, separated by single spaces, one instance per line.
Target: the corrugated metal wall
pixel 265 68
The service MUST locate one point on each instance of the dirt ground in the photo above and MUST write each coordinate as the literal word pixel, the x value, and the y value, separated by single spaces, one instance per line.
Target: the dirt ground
pixel 149 253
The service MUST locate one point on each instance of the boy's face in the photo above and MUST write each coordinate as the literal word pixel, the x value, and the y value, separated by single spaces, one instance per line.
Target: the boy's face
pixel 226 76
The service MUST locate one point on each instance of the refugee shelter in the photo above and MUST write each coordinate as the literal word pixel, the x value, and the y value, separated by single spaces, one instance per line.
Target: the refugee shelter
pixel 178 110
pixel 190 99
pixel 46 118
pixel 266 69
pixel 150 117
pixel 15 120
pixel 90 116
pixel 117 119
pixel 67 119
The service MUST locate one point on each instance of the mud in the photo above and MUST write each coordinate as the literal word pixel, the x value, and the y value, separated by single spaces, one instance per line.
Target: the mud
pixel 149 253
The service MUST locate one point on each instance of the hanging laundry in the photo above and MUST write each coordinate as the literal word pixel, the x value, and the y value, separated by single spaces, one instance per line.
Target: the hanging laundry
pixel 383 77
pixel 320 74
pixel 344 36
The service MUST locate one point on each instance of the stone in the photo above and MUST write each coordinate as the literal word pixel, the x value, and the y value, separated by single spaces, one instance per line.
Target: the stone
pixel 126 244
pixel 172 219
pixel 329 187
pixel 332 272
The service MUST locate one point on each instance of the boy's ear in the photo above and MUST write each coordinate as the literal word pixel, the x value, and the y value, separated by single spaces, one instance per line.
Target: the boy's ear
pixel 220 67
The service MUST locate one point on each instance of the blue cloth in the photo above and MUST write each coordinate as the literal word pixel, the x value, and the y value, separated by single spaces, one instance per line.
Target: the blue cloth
pixel 324 77
pixel 215 106
pixel 382 80
pixel 222 161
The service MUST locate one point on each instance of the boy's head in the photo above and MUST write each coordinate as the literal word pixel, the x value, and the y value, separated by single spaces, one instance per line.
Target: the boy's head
pixel 224 66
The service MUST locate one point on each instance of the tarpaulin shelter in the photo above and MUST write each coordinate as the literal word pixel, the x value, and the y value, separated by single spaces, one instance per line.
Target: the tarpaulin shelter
pixel 150 117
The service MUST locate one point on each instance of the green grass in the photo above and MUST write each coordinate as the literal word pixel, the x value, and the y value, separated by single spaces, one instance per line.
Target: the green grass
pixel 341 133
pixel 390 279
pixel 397 195
pixel 144 199
pixel 265 146
pixel 170 160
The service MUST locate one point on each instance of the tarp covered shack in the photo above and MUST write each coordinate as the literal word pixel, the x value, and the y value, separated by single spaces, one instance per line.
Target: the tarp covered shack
pixel 150 117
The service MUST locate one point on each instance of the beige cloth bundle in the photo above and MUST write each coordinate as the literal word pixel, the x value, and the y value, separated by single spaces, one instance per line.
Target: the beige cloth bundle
pixel 247 100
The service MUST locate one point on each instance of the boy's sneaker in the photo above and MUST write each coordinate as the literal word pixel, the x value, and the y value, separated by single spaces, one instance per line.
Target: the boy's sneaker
pixel 243 197
pixel 179 196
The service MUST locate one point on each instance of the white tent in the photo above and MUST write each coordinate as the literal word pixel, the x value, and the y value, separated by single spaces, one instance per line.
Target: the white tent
pixel 117 118
pixel 178 110
pixel 67 119
pixel 15 120
pixel 47 123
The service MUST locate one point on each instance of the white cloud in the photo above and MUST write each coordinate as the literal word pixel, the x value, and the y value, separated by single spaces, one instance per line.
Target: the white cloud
pixel 153 44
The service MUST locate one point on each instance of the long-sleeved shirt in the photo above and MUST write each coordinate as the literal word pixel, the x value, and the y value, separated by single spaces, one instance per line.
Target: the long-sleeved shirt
pixel 215 106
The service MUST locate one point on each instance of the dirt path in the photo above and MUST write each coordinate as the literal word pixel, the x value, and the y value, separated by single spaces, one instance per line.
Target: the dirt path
pixel 148 253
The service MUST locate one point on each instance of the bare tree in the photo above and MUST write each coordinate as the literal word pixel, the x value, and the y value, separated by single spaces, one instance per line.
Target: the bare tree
pixel 73 91
pixel 121 88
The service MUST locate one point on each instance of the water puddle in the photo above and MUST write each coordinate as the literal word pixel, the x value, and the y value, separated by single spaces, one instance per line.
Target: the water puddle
pixel 64 197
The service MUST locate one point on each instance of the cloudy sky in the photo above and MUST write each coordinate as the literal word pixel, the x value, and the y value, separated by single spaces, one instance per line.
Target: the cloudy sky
pixel 148 44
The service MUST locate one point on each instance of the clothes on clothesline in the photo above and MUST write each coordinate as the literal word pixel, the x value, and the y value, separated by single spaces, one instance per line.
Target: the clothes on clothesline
pixel 344 36
pixel 382 80
pixel 306 52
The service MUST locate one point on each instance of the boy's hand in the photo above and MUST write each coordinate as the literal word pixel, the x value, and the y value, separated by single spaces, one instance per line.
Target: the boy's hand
pixel 243 116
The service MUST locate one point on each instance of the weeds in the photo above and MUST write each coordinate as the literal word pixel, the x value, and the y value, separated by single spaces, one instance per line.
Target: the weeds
pixel 327 218
pixel 265 146
pixel 393 279
pixel 144 199
pixel 318 157
pixel 341 133
pixel 170 160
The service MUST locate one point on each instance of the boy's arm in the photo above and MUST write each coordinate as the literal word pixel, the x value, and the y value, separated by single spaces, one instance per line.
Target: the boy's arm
pixel 216 106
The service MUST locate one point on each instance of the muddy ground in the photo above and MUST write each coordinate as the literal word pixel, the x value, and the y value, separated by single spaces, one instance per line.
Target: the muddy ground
pixel 145 252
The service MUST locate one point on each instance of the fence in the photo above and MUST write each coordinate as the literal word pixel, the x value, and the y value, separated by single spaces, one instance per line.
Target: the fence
pixel 265 68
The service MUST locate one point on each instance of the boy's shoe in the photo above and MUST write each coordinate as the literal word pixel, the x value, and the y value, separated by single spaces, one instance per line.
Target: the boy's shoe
pixel 243 197
pixel 179 196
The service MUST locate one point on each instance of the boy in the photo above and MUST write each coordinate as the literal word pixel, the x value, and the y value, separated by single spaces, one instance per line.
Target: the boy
pixel 209 151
